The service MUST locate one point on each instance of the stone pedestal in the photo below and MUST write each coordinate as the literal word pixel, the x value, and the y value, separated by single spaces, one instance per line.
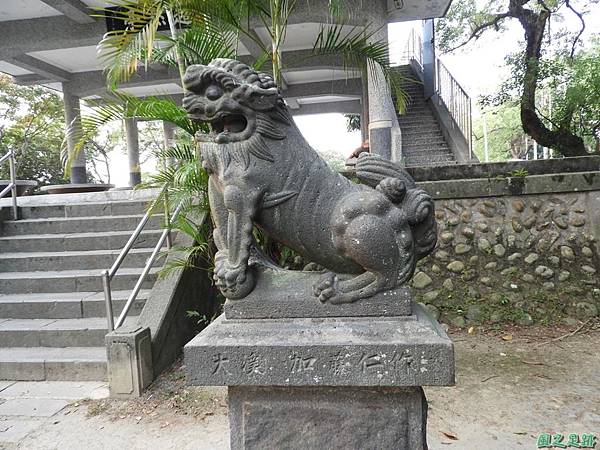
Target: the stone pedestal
pixel 329 382
pixel 327 418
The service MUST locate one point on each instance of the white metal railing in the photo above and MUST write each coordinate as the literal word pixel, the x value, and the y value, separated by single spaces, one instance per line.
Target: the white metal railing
pixel 456 100
pixel 454 97
pixel 12 185
pixel 109 274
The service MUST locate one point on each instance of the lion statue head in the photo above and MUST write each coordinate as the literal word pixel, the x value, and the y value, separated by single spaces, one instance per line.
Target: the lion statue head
pixel 242 107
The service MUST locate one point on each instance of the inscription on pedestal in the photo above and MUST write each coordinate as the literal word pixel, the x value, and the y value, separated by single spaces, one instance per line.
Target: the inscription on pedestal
pixel 397 364
pixel 325 352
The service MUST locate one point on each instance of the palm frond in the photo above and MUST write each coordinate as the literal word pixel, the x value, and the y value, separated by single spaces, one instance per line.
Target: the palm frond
pixel 183 152
pixel 232 15
pixel 121 51
pixel 196 45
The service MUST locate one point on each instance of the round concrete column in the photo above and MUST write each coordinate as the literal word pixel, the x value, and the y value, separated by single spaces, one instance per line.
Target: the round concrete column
pixel 364 103
pixel 73 119
pixel 133 151
pixel 384 131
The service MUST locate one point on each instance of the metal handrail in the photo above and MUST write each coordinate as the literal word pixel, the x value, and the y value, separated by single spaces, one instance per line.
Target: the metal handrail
pixel 456 100
pixel 108 275
pixel 12 186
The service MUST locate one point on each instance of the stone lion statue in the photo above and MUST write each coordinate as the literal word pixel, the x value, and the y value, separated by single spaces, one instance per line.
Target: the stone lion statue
pixel 263 173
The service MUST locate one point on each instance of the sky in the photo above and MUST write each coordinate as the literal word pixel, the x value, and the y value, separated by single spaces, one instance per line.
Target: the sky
pixel 479 68
pixel 325 132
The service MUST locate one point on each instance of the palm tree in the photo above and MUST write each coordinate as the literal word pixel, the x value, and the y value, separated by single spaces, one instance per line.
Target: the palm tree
pixel 204 29
pixel 201 30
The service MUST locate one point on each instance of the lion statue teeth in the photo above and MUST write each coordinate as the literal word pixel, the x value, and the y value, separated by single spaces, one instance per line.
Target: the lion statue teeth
pixel 263 173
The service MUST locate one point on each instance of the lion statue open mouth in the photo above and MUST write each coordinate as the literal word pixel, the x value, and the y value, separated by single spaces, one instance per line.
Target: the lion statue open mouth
pixel 264 173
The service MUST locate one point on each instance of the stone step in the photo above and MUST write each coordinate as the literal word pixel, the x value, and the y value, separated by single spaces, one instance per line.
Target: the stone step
pixel 70 281
pixel 70 260
pixel 86 332
pixel 424 141
pixel 418 145
pixel 428 161
pixel 55 333
pixel 442 150
pixel 414 93
pixel 416 99
pixel 423 131
pixel 407 73
pixel 416 102
pixel 411 117
pixel 116 208
pixel 424 120
pixel 428 126
pixel 426 146
pixel 417 110
pixel 69 305
pixel 427 150
pixel 53 364
pixel 418 119
pixel 107 240
pixel 431 164
pixel 423 136
pixel 410 83
pixel 413 90
pixel 77 224
pixel 434 157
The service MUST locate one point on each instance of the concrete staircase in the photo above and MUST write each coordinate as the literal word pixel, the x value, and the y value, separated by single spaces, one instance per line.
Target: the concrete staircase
pixel 52 314
pixel 423 143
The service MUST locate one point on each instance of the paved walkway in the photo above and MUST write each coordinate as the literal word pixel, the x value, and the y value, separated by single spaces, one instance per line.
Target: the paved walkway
pixel 510 388
pixel 26 406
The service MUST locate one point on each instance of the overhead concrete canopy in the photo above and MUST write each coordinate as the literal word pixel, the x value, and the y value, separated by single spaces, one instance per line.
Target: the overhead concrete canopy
pixel 53 42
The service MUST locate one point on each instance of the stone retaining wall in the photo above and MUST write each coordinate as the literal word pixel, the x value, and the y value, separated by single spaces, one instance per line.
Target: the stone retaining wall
pixel 518 250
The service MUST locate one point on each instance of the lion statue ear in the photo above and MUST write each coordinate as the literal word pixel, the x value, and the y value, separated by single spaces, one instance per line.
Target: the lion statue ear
pixel 262 99
pixel 262 93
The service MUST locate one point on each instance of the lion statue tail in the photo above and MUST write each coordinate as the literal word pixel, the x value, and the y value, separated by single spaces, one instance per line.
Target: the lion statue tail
pixel 399 187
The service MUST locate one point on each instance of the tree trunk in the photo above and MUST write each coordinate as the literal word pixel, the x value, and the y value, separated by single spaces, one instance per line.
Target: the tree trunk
pixel 562 139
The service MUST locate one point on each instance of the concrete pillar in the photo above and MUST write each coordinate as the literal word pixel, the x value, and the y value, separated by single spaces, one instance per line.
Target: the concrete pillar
pixel 133 151
pixel 384 131
pixel 73 118
pixel 129 351
pixel 364 103
pixel 428 58
pixel 169 139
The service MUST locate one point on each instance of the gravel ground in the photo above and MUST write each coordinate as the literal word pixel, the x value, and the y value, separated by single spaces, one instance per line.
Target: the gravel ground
pixel 512 385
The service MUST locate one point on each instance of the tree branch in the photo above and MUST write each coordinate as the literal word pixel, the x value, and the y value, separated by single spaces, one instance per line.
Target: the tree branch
pixel 580 15
pixel 543 5
pixel 478 31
